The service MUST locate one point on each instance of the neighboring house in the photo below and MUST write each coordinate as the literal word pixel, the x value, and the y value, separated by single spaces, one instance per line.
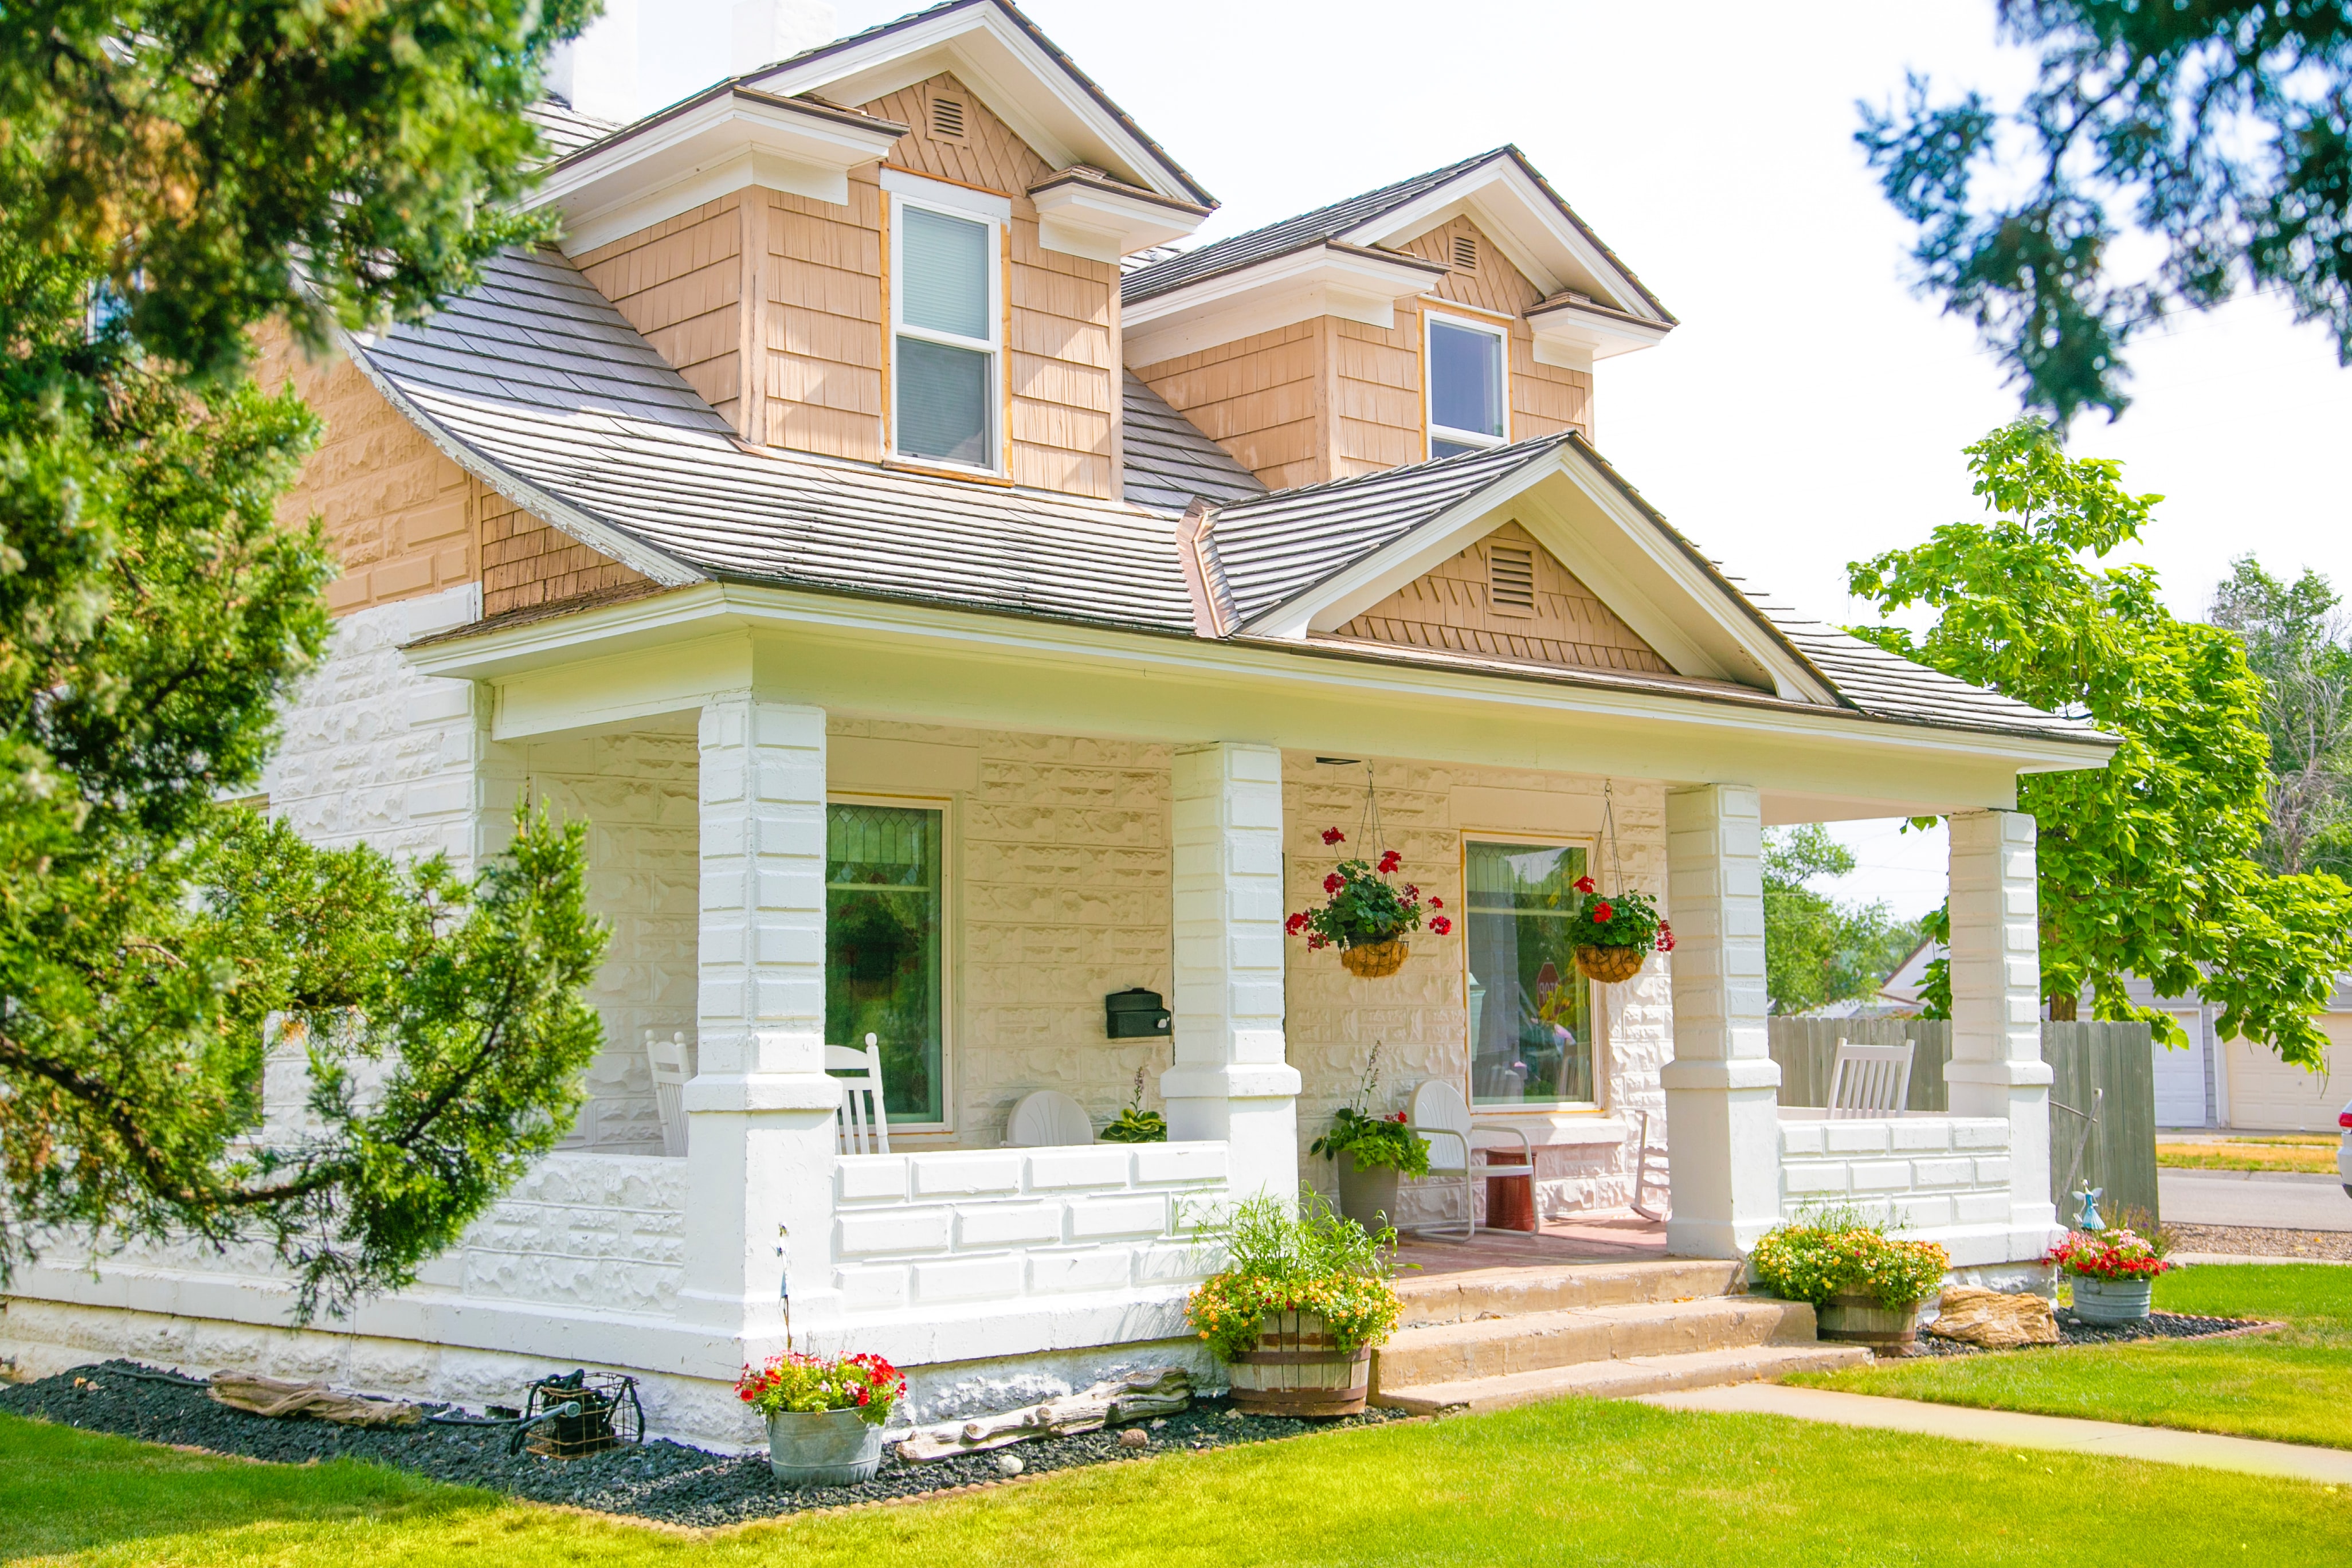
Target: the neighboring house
pixel 2209 1081
pixel 942 629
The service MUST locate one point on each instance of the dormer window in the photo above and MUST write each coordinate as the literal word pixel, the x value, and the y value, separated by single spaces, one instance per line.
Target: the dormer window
pixel 947 323
pixel 1465 362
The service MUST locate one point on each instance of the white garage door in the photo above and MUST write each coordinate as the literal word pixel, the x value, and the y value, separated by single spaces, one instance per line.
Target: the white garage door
pixel 2265 1092
pixel 2180 1078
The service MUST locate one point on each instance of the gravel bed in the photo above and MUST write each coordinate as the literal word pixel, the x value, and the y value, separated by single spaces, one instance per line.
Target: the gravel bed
pixel 2253 1242
pixel 658 1481
pixel 2072 1330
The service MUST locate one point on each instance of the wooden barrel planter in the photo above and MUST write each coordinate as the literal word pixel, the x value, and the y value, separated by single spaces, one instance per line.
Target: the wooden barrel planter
pixel 1298 1370
pixel 1609 965
pixel 1374 960
pixel 1856 1318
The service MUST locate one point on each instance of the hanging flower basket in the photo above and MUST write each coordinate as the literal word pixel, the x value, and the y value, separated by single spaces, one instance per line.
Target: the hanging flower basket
pixel 1615 933
pixel 1374 960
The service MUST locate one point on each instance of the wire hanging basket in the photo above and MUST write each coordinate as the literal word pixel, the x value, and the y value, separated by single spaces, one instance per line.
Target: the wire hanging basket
pixel 1616 964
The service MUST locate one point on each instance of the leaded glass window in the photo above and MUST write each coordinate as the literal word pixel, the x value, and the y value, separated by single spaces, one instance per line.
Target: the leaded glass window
pixel 883 919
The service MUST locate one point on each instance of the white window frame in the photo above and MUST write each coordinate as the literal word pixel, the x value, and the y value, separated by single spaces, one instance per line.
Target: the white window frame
pixel 1598 1028
pixel 1437 432
pixel 949 201
pixel 950 926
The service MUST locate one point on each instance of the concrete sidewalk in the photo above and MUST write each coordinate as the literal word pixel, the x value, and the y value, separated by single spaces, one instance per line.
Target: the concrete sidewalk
pixel 2009 1428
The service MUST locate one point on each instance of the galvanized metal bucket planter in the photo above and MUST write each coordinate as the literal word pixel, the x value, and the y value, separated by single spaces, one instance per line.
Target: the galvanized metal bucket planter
pixel 2110 1300
pixel 823 1448
pixel 1609 966
pixel 1374 960
pixel 1368 1197
pixel 1854 1318
pixel 1298 1370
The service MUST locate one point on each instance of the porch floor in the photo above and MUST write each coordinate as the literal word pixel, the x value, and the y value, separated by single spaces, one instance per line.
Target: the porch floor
pixel 1602 1236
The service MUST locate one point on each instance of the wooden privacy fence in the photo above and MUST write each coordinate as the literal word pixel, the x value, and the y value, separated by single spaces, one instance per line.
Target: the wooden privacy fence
pixel 2119 1155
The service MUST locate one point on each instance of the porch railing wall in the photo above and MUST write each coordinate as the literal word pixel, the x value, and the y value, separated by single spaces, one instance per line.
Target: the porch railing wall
pixel 2120 1155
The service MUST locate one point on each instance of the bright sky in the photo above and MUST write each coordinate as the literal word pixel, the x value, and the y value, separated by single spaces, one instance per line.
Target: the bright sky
pixel 1810 409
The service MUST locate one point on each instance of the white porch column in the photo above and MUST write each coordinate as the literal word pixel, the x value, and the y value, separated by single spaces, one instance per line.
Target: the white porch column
pixel 759 1147
pixel 1230 1079
pixel 1996 968
pixel 1722 1086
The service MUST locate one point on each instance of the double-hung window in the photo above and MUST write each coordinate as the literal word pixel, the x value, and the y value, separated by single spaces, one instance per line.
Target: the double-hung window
pixel 1465 360
pixel 1530 1007
pixel 946 329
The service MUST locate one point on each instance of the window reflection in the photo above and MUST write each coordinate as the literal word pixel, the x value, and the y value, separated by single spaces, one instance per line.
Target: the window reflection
pixel 1530 1009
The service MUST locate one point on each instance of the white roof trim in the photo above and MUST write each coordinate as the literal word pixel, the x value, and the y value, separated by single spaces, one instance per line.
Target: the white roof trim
pixel 1572 335
pixel 1021 84
pixel 640 177
pixel 1319 279
pixel 1525 224
pixel 1079 217
pixel 1668 600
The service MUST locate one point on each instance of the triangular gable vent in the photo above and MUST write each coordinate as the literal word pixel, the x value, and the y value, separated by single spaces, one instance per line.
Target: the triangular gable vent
pixel 1506 597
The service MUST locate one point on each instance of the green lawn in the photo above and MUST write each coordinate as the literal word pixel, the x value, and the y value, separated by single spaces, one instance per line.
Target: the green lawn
pixel 1577 1482
pixel 2294 1386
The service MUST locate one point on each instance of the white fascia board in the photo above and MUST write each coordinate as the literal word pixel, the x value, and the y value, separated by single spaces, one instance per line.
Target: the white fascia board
pixel 634 181
pixel 1571 337
pixel 1533 234
pixel 1079 218
pixel 1318 281
pixel 698 624
pixel 1020 84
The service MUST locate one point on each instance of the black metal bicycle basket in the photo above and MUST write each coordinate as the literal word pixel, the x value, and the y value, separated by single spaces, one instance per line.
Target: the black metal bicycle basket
pixel 608 1415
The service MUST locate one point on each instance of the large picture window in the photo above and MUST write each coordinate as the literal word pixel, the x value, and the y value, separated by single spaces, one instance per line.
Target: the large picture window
pixel 945 363
pixel 1465 386
pixel 883 919
pixel 1530 1009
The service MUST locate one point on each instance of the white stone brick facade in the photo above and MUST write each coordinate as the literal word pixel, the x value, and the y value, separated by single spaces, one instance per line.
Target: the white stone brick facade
pixel 1938 1177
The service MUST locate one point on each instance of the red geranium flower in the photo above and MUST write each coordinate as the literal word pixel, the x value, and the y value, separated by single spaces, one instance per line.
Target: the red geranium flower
pixel 1411 891
pixel 1437 903
pixel 1602 912
pixel 1584 884
pixel 1331 884
pixel 1442 926
pixel 1333 835
pixel 1390 861
pixel 1295 924
pixel 1398 1118
pixel 1666 937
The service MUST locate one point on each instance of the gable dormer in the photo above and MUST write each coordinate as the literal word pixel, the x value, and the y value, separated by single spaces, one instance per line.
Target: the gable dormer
pixel 1461 309
pixel 900 248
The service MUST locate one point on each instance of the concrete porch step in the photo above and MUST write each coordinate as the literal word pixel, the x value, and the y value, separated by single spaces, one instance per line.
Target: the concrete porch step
pixel 1536 1342
pixel 1622 1379
pixel 1470 1295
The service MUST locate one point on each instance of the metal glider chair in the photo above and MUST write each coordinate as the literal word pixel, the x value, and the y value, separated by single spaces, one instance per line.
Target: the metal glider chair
pixel 1441 1118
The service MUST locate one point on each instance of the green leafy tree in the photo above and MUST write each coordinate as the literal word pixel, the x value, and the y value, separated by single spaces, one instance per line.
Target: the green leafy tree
pixel 2220 131
pixel 172 178
pixel 1816 948
pixel 2148 866
pixel 2295 640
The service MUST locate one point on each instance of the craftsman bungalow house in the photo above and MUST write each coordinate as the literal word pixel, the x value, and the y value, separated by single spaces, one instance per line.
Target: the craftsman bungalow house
pixel 951 605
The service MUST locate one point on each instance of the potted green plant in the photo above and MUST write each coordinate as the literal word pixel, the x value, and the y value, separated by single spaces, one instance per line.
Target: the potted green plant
pixel 1301 1302
pixel 1865 1286
pixel 1614 933
pixel 824 1415
pixel 2113 1273
pixel 1373 1152
pixel 1134 1124
pixel 1365 915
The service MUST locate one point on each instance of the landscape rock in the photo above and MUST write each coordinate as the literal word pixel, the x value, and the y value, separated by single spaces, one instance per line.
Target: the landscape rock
pixel 1980 1316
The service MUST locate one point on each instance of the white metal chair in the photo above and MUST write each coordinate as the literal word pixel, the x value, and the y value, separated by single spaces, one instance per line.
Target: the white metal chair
pixel 1441 1118
pixel 1870 1080
pixel 1045 1119
pixel 862 1125
pixel 670 1072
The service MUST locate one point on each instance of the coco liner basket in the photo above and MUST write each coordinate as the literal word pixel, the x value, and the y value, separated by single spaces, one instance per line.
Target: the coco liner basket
pixel 1611 966
pixel 1299 1369
pixel 1375 960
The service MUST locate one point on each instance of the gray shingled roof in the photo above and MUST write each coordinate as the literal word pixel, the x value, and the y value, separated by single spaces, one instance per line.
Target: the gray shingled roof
pixel 564 129
pixel 1169 462
pixel 540 385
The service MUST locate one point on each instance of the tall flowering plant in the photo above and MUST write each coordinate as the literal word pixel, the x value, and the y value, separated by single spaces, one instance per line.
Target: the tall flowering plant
pixel 2108 1254
pixel 1618 920
pixel 1361 906
pixel 865 1384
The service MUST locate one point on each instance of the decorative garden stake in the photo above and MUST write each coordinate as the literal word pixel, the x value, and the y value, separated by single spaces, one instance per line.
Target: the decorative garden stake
pixel 1366 916
pixel 2089 1198
pixel 1614 933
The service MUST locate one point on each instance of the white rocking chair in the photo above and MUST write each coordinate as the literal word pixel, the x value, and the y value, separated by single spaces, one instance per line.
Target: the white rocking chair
pixel 667 1060
pixel 1441 1116
pixel 862 1125
pixel 1870 1080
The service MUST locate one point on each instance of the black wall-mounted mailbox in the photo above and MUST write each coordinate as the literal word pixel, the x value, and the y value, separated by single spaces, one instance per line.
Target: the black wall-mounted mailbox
pixel 1135 1015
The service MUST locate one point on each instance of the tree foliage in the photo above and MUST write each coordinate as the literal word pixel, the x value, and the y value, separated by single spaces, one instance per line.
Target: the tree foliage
pixel 2295 638
pixel 2148 865
pixel 154 613
pixel 1816 948
pixel 2220 130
